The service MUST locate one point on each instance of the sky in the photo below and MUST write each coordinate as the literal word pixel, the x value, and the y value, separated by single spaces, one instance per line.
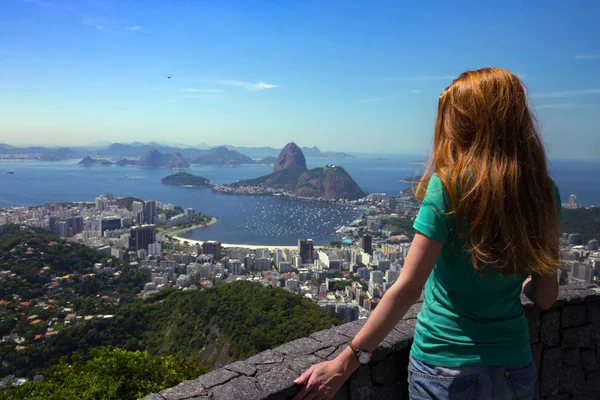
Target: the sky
pixel 356 76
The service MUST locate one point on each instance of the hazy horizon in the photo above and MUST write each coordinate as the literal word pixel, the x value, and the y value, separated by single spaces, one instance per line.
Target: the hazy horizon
pixel 351 77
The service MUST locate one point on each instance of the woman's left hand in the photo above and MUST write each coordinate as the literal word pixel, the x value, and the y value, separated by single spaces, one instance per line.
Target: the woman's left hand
pixel 321 381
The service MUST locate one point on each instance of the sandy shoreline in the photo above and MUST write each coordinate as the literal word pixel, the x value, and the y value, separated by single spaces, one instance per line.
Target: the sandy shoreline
pixel 246 246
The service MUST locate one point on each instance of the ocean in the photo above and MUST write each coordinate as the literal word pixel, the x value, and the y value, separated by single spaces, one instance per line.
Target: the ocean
pixel 243 219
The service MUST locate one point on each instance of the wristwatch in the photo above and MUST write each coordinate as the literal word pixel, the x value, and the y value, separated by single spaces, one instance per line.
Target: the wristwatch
pixel 363 357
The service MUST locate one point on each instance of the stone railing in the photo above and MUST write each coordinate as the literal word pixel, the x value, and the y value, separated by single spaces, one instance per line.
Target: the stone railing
pixel 565 342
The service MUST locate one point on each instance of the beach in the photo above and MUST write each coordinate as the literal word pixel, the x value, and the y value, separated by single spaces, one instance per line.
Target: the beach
pixel 246 246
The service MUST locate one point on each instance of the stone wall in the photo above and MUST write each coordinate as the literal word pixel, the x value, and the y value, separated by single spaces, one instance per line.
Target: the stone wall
pixel 565 342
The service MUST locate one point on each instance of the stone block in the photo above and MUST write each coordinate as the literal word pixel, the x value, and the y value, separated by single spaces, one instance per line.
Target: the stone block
pixel 533 321
pixel 153 396
pixel 550 328
pixel 237 388
pixel 384 373
pixel 552 360
pixel 215 378
pixel 412 311
pixel 330 338
pixel 588 360
pixel 402 360
pixel 266 357
pixel 593 313
pixel 300 346
pixel 300 363
pixel 324 353
pixel 336 352
pixel 592 381
pixel 577 337
pixel 573 316
pixel 278 383
pixel 360 385
pixel 572 357
pixel 242 368
pixel 395 391
pixel 595 331
pixel 184 390
pixel 350 329
pixel 572 381
pixel 536 352
pixel 342 394
pixel 395 338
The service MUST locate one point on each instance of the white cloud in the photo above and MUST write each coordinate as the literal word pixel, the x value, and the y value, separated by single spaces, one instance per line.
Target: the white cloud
pixel 94 24
pixel 369 100
pixel 194 90
pixel 588 56
pixel 249 85
pixel 416 91
pixel 563 105
pixel 133 28
pixel 567 93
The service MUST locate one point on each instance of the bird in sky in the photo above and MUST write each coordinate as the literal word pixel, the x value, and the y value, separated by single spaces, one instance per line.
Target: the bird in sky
pixel 169 76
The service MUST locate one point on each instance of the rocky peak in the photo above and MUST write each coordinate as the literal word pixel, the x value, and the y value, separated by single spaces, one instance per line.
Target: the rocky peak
pixel 290 157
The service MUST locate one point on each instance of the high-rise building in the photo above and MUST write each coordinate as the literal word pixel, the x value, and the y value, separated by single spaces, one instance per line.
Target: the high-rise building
pixel 189 213
pixel 137 207
pixel 109 224
pixel 235 267
pixel 367 244
pixel 284 267
pixel 100 203
pixel 76 224
pixel 155 249
pixel 306 249
pixel 149 211
pixel 141 236
pixel 212 247
pixel 61 229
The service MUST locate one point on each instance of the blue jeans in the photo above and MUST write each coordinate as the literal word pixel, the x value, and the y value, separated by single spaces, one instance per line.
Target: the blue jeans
pixel 515 382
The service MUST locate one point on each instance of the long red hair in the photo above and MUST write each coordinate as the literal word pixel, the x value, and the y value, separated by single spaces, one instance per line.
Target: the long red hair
pixel 490 159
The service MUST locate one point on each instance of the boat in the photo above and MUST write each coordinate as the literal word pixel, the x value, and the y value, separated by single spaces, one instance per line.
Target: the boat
pixel 10 172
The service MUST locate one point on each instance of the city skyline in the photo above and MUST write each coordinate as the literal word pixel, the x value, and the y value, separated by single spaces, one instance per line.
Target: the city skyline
pixel 328 75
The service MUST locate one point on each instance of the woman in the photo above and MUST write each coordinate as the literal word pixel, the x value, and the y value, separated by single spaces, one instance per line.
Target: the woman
pixel 488 228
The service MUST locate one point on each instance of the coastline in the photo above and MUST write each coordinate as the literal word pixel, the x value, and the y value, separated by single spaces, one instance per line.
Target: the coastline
pixel 246 246
pixel 174 234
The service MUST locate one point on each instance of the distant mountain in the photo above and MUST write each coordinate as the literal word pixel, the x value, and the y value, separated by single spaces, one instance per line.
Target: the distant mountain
pixel 42 153
pixel 91 162
pixel 262 152
pixel 156 159
pixel 290 157
pixel 223 156
pixel 186 180
pixel 290 174
pixel 267 160
pixel 126 162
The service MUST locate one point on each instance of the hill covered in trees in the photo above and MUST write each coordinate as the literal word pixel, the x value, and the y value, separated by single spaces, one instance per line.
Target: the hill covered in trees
pixel 585 221
pixel 54 303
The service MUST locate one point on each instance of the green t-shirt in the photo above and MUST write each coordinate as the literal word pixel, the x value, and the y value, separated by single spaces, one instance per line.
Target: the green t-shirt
pixel 466 318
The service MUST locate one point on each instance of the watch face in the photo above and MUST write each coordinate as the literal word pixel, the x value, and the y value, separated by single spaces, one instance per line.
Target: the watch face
pixel 364 358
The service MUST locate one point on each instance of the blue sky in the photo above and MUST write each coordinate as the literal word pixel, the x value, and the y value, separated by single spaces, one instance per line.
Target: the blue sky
pixel 342 75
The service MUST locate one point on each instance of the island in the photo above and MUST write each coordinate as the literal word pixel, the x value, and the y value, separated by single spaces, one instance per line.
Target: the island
pixel 291 176
pixel 187 180
pixel 92 162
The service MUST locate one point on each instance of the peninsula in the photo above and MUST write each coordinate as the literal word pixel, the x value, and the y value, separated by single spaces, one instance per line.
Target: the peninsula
pixel 290 176
pixel 185 179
